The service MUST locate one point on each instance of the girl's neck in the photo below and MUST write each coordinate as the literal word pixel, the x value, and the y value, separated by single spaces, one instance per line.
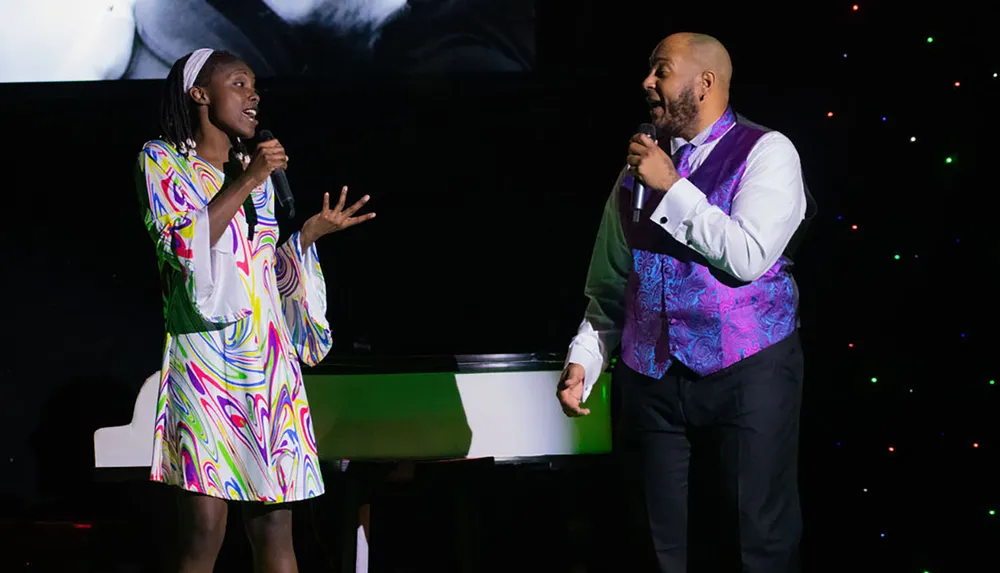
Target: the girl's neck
pixel 213 145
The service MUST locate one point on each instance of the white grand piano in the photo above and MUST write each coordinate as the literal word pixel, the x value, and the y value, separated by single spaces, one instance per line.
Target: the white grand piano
pixel 493 407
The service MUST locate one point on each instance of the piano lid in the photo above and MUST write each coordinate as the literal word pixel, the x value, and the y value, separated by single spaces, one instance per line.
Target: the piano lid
pixel 460 363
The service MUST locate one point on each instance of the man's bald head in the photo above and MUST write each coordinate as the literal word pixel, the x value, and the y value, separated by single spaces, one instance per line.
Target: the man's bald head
pixel 690 74
pixel 706 53
pixel 712 56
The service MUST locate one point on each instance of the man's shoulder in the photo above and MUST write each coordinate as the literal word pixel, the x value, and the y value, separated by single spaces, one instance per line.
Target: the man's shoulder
pixel 775 148
pixel 775 142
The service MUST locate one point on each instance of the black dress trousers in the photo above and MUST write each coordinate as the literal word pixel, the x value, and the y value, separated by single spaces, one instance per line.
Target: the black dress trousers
pixel 710 465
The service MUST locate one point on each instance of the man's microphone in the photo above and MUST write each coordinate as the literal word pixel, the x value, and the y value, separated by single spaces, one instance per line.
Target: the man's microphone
pixel 281 188
pixel 638 189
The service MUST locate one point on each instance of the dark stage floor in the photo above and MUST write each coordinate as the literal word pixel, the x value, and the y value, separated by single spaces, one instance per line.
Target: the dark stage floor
pixel 525 518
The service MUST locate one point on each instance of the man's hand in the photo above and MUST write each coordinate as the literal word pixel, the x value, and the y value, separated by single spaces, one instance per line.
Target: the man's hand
pixel 654 166
pixel 570 391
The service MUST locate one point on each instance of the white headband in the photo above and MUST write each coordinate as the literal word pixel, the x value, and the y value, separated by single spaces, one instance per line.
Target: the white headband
pixel 194 65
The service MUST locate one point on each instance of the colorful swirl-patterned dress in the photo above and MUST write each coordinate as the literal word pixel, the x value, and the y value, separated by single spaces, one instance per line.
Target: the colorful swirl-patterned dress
pixel 232 420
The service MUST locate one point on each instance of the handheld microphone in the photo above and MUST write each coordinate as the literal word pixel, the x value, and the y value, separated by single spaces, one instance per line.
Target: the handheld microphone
pixel 638 189
pixel 281 189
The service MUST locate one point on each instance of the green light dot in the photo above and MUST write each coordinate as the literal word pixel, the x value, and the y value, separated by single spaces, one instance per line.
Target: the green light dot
pixel 948 160
pixel 874 380
pixel 896 257
pixel 993 512
pixel 930 40
pixel 992 382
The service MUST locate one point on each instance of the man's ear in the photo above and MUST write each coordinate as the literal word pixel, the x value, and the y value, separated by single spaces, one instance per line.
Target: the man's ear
pixel 707 84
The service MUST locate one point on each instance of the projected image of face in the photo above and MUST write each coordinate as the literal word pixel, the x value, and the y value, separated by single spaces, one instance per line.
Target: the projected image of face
pixel 73 40
pixel 339 15
pixel 65 40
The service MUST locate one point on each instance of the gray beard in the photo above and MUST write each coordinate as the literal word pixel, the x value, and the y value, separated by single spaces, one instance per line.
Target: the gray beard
pixel 341 16
pixel 683 113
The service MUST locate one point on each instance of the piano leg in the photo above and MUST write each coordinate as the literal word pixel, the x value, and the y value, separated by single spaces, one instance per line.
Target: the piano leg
pixel 364 516
pixel 349 525
pixel 355 519
pixel 463 484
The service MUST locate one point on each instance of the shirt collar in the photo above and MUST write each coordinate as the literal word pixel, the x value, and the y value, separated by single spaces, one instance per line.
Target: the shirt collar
pixel 677 142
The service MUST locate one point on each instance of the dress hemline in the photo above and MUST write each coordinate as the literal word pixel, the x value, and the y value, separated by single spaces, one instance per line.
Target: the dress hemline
pixel 217 495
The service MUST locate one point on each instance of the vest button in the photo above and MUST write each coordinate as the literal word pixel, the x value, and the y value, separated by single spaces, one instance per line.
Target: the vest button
pixel 663 220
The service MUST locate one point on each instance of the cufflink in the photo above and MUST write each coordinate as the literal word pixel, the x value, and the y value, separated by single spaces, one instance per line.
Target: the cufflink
pixel 663 220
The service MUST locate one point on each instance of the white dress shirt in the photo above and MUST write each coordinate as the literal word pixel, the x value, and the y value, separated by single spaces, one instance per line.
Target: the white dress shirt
pixel 768 206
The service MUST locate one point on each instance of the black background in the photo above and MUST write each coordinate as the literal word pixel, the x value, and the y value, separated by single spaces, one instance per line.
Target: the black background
pixel 489 190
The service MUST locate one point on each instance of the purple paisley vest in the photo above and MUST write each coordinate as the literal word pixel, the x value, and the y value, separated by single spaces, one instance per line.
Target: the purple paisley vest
pixel 677 306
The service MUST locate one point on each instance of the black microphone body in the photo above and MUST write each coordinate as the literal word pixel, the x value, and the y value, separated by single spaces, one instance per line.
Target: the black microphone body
pixel 638 189
pixel 281 188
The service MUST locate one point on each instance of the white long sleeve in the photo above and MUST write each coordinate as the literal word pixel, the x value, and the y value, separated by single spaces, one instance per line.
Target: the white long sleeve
pixel 610 265
pixel 768 207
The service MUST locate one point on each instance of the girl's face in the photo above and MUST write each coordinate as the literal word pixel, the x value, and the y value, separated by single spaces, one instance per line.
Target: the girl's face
pixel 232 100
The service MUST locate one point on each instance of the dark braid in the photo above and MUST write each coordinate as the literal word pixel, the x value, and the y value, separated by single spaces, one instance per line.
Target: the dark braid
pixel 178 116
pixel 176 109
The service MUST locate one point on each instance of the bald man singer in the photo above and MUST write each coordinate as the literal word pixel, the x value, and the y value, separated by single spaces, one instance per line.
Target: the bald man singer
pixel 701 298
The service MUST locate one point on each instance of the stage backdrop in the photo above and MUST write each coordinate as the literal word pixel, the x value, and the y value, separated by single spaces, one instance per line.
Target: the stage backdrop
pixel 68 40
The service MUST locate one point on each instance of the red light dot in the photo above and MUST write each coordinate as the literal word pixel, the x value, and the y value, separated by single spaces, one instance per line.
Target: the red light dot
pixel 855 7
pixel 958 84
pixel 850 345
pixel 975 445
pixel 854 227
pixel 829 114
pixel 892 449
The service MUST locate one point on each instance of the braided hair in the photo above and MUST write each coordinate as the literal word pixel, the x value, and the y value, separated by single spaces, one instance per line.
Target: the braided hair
pixel 178 112
pixel 179 115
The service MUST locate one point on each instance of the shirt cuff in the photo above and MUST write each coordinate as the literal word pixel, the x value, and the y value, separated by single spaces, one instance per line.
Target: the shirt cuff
pixel 593 367
pixel 677 207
